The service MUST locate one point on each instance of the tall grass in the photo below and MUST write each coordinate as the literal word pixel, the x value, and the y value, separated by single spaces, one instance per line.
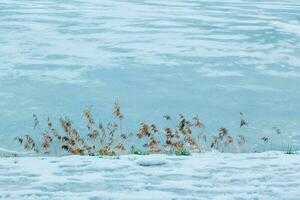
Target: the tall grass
pixel 110 139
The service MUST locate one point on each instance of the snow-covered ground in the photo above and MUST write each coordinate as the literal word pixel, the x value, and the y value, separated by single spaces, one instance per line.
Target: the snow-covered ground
pixel 269 175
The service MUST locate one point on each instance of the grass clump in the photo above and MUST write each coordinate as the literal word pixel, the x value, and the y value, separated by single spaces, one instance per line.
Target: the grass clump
pixel 111 139
pixel 290 150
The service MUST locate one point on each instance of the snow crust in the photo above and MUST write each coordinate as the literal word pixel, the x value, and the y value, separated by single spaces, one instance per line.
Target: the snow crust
pixel 269 175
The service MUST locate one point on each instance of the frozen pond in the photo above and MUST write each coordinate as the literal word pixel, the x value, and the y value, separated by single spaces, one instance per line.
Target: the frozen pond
pixel 156 57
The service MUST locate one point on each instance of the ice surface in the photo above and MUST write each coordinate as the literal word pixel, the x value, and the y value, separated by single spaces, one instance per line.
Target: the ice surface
pixel 213 58
pixel 269 175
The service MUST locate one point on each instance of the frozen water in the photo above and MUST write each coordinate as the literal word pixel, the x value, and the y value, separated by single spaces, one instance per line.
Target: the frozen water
pixel 156 57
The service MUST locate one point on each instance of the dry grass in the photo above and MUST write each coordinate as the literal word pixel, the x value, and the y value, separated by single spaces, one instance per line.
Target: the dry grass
pixel 110 139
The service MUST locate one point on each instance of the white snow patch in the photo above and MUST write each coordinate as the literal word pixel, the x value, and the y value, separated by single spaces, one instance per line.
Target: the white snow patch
pixel 218 73
pixel 269 175
pixel 151 161
pixel 285 74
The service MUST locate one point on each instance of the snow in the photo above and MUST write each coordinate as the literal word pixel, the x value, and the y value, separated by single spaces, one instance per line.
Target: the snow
pixel 268 175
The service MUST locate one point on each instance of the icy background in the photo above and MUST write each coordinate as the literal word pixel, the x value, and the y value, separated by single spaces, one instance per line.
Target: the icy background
pixel 156 57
